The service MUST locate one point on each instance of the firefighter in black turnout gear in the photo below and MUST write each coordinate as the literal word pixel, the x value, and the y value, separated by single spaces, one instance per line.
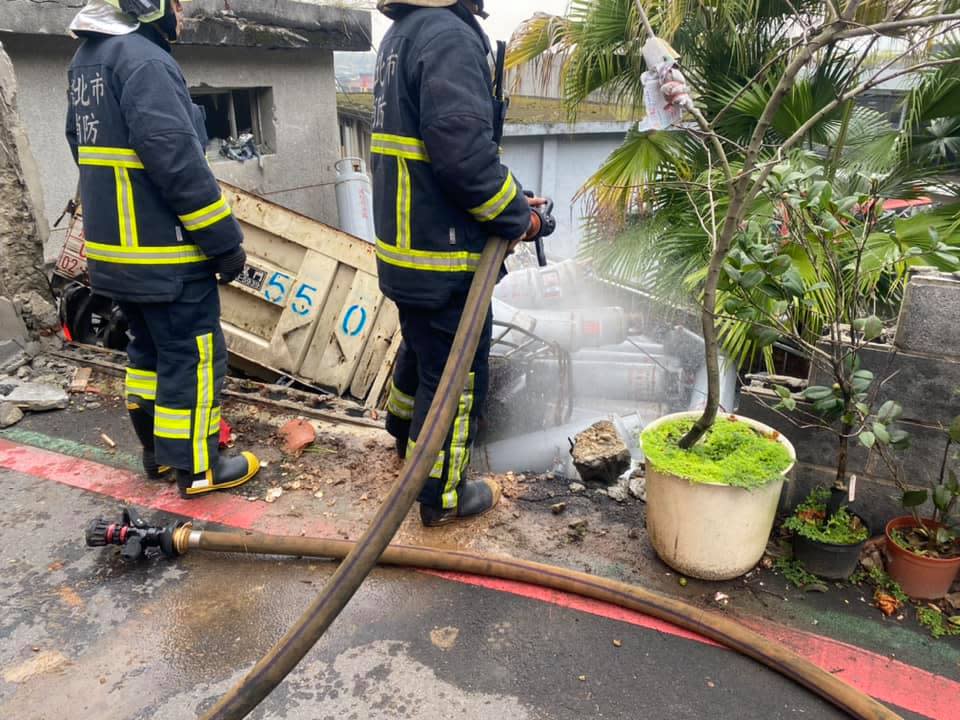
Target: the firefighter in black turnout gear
pixel 158 232
pixel 440 191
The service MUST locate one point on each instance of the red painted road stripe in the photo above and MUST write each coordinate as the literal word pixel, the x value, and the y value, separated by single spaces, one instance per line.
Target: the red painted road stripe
pixel 887 680
pixel 125 486
pixel 574 602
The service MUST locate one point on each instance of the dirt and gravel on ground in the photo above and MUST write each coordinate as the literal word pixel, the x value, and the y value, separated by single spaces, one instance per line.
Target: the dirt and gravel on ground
pixel 338 481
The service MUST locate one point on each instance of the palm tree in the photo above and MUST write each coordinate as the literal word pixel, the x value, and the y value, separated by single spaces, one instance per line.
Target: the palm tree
pixel 769 75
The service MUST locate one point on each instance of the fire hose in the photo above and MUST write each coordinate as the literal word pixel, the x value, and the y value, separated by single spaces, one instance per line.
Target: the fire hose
pixel 359 558
pixel 362 557
pixel 175 540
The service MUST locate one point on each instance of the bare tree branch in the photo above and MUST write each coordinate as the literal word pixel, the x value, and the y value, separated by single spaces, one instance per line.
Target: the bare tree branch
pixel 889 28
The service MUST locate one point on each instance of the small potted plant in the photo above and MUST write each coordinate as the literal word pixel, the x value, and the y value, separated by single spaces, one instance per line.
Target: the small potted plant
pixel 826 543
pixel 923 554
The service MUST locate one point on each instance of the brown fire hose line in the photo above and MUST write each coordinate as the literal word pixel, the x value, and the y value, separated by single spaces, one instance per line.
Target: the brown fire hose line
pixel 362 557
pixel 707 623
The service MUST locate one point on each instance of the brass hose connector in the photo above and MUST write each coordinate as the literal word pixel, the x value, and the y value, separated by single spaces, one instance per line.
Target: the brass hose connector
pixel 181 538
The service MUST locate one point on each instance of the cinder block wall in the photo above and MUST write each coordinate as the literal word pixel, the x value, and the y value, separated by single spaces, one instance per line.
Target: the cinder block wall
pixel 921 371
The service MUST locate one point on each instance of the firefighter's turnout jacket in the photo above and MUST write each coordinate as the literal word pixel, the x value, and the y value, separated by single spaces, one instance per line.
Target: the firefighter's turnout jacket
pixel 440 189
pixel 154 214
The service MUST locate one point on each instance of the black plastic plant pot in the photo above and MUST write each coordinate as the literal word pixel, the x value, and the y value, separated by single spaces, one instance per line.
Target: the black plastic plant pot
pixel 826 560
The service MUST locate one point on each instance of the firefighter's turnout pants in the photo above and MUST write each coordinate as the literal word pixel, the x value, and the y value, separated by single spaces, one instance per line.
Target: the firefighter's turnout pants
pixel 178 361
pixel 427 339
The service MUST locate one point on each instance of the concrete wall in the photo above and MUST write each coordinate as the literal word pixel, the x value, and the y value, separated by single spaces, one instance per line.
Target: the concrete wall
pixel 299 174
pixel 921 371
pixel 555 163
pixel 40 63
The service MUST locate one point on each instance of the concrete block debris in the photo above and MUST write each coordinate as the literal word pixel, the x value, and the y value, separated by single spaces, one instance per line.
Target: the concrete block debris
pixel 38 398
pixel 599 454
pixel 10 414
pixel 11 324
pixel 13 356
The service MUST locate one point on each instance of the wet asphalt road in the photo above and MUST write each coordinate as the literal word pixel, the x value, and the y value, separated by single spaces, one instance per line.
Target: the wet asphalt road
pixel 85 635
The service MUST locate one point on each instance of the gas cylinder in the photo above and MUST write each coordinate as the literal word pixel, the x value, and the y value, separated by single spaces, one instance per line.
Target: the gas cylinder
pixel 354 198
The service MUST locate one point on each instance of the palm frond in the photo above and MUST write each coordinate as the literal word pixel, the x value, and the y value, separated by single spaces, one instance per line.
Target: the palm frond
pixel 651 203
pixel 643 166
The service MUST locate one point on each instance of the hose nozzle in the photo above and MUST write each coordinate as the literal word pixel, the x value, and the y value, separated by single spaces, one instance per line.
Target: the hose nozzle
pixel 97 532
pixel 133 535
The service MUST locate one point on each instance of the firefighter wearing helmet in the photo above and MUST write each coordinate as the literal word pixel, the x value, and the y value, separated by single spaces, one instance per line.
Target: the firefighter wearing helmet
pixel 158 233
pixel 440 191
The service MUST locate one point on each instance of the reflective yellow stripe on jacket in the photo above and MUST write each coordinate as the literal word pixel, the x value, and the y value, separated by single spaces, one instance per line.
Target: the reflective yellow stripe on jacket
pixel 460 261
pixel 122 160
pixel 109 157
pixel 129 252
pixel 403 149
pixel 163 255
pixel 207 216
pixel 494 207
pixel 399 146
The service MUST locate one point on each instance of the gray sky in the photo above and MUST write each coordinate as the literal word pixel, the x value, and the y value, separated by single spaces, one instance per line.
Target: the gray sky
pixel 505 15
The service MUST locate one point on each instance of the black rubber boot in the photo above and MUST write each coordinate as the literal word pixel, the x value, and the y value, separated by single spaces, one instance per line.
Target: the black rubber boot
pixel 228 472
pixel 400 430
pixel 142 421
pixel 474 497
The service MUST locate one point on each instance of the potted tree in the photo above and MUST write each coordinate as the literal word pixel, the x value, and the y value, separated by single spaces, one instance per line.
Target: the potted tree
pixel 670 206
pixel 826 544
pixel 710 509
pixel 923 553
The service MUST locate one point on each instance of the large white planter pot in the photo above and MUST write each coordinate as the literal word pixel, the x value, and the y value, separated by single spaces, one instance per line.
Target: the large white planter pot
pixel 707 531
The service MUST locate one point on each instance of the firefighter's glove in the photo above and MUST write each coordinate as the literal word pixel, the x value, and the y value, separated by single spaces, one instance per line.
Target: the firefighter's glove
pixel 230 266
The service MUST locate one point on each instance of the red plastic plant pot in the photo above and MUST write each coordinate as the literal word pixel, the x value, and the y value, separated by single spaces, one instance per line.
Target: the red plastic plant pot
pixel 923 578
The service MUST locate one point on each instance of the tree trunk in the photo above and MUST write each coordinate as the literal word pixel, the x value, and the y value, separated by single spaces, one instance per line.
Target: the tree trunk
pixel 23 226
pixel 843 452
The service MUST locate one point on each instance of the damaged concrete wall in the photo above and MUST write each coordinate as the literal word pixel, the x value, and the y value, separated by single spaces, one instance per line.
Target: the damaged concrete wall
pixel 41 18
pixel 23 227
pixel 277 23
pixel 235 23
pixel 297 173
pixel 921 371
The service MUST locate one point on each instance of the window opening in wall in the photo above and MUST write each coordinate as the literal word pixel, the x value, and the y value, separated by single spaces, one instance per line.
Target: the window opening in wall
pixel 237 121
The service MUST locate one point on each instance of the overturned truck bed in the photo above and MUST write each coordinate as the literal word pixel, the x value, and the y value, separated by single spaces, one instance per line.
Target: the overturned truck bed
pixel 307 305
